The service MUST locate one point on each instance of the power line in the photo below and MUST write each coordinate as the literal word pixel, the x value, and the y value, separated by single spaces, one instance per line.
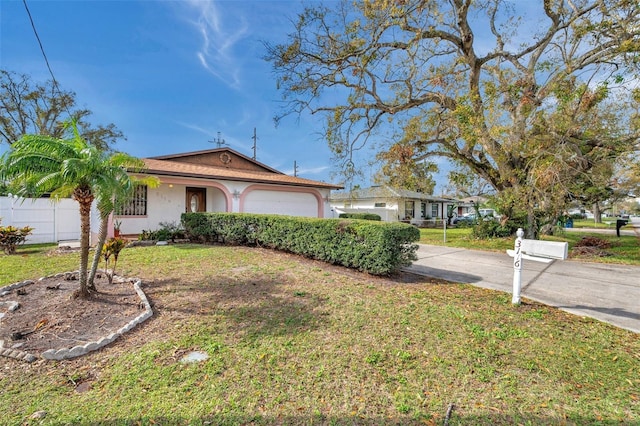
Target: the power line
pixel 55 82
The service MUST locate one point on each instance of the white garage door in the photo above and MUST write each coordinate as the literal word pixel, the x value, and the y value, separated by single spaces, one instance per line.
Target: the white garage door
pixel 281 202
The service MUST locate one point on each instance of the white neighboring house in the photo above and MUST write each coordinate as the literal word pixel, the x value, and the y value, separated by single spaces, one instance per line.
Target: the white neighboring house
pixel 219 180
pixel 392 204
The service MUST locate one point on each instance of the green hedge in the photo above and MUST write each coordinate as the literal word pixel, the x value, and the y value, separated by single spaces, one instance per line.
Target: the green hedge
pixel 374 247
pixel 365 216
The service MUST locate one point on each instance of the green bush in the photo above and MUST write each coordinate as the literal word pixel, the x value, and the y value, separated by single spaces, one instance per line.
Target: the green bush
pixel 11 237
pixel 493 229
pixel 375 247
pixel 169 231
pixel 364 216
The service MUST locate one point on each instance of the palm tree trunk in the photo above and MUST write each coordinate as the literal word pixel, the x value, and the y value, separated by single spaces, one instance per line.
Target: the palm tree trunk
pixel 102 237
pixel 84 197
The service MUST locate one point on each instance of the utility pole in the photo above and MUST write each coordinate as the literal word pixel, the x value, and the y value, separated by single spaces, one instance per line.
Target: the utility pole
pixel 295 168
pixel 219 141
pixel 255 143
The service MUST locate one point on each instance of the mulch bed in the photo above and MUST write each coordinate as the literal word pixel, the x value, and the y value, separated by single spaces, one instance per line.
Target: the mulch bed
pixel 49 317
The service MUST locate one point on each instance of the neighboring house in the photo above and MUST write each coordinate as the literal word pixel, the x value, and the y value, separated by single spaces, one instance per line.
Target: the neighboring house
pixel 391 204
pixel 468 205
pixel 219 180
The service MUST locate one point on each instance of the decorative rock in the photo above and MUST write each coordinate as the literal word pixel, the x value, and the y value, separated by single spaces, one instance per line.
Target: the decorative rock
pixel 58 355
pixel 4 293
pixel 76 351
pixel 92 346
pixel 104 342
pixel 195 356
pixel 16 354
pixel 126 328
pixel 162 243
pixel 29 357
pixel 38 415
pixel 49 354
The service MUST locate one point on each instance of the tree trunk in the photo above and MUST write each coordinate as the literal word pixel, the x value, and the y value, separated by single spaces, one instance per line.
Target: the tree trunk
pixel 531 231
pixel 102 237
pixel 597 214
pixel 84 197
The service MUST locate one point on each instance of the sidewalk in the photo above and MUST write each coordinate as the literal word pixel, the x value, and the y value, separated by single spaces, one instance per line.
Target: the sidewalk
pixel 609 293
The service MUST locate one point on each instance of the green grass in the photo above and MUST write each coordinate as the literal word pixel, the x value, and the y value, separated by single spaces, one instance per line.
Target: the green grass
pixel 298 342
pixel 607 223
pixel 624 249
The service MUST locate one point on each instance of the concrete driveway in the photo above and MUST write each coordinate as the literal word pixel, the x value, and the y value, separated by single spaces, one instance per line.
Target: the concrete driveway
pixel 609 293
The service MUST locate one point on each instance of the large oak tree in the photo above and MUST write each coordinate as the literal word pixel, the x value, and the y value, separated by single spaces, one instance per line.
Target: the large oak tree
pixel 530 96
pixel 28 108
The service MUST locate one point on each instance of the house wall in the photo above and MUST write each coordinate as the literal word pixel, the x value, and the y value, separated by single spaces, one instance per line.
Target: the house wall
pixel 394 210
pixel 59 221
pixel 167 202
pixel 386 214
pixel 53 221
pixel 389 213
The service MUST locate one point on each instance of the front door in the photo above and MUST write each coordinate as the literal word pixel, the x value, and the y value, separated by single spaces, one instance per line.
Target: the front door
pixel 196 200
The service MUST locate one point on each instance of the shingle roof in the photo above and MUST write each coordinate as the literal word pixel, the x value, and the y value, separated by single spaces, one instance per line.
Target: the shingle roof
pixel 176 168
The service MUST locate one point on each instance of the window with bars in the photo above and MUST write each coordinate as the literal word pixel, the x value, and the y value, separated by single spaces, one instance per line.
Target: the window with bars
pixel 136 205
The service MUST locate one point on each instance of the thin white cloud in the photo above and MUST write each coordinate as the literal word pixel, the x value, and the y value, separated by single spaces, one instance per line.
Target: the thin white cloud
pixel 195 127
pixel 220 36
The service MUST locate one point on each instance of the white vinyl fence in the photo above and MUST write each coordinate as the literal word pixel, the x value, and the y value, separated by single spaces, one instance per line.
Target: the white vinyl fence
pixel 52 221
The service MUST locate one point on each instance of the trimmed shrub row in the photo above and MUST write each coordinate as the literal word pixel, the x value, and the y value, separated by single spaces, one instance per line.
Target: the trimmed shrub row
pixel 365 216
pixel 375 247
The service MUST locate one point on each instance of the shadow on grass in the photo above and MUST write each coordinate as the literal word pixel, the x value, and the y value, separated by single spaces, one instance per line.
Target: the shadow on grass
pixel 260 305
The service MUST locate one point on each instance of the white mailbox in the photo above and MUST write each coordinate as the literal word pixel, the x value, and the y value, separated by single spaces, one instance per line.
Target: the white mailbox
pixel 539 251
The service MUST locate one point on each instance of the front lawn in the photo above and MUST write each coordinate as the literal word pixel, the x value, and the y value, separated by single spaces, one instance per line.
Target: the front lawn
pixel 622 250
pixel 293 341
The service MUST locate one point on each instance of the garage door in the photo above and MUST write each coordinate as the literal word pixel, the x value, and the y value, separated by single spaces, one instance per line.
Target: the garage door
pixel 281 202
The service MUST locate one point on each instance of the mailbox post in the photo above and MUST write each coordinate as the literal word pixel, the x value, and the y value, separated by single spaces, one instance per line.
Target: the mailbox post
pixel 517 267
pixel 619 224
pixel 539 251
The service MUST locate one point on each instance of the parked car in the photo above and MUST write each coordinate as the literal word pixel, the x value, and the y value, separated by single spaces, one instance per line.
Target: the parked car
pixel 466 219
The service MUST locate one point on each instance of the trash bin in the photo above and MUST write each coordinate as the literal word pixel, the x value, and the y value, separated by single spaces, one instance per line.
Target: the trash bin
pixel 569 223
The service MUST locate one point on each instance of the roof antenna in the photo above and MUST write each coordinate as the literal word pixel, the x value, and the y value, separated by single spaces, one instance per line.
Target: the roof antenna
pixel 219 141
pixel 255 142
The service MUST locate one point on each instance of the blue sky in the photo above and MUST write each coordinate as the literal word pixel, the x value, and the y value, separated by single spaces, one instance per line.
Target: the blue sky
pixel 170 74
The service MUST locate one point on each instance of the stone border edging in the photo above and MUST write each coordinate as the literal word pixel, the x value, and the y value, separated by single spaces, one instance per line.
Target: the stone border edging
pixel 76 351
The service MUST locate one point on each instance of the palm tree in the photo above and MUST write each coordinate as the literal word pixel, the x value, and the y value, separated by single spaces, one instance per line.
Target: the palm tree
pixel 38 165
